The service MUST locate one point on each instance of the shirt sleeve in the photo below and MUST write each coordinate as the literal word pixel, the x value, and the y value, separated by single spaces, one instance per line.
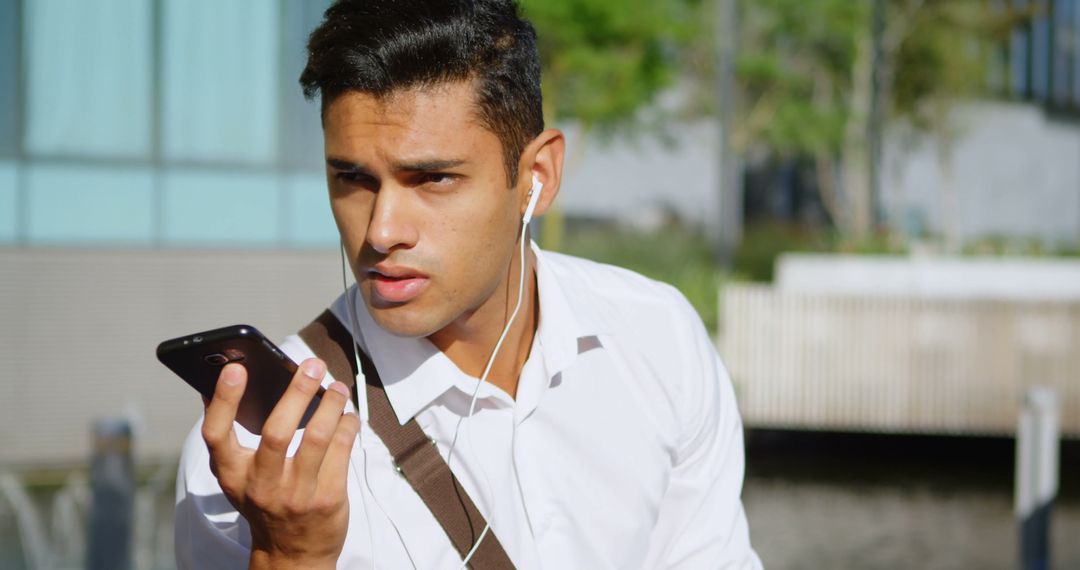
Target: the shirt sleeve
pixel 701 522
pixel 209 533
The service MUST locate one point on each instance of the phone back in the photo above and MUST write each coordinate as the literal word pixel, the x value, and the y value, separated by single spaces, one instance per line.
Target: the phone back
pixel 199 358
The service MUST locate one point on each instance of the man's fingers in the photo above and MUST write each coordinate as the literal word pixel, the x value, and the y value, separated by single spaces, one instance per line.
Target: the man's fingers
pixel 319 434
pixel 334 473
pixel 217 429
pixel 279 428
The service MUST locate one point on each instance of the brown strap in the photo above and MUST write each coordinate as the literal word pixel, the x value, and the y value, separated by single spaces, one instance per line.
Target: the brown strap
pixel 415 455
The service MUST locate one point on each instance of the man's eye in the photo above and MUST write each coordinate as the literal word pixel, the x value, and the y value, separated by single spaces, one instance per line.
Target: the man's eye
pixel 348 176
pixel 438 178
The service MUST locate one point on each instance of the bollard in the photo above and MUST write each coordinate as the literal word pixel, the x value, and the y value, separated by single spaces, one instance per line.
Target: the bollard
pixel 112 485
pixel 1037 446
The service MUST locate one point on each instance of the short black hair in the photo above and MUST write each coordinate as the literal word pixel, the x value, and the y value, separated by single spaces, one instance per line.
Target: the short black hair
pixel 384 46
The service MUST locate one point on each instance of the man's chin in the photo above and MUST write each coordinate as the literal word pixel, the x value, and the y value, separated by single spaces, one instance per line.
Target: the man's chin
pixel 404 321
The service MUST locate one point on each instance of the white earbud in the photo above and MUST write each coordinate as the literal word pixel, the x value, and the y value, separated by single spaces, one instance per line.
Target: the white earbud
pixel 534 197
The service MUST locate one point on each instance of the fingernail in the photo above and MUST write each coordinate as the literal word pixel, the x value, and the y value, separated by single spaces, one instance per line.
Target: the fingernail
pixel 314 369
pixel 231 376
pixel 340 389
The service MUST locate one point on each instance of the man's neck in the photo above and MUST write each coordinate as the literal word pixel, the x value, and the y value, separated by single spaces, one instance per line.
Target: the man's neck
pixel 468 342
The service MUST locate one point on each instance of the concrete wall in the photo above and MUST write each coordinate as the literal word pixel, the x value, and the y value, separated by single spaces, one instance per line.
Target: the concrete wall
pixel 78 330
pixel 1015 172
pixel 925 277
pixel 630 180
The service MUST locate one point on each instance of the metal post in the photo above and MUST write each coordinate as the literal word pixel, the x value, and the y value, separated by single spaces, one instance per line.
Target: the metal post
pixel 1037 446
pixel 112 484
pixel 877 113
pixel 726 228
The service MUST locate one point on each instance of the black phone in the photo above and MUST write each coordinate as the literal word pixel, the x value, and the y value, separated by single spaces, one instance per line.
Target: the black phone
pixel 198 359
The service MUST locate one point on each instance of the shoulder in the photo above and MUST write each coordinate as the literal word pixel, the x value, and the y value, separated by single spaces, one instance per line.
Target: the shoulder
pixel 618 297
pixel 653 329
pixel 583 278
pixel 649 324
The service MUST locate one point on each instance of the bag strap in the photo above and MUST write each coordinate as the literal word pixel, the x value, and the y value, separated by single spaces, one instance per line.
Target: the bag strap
pixel 415 455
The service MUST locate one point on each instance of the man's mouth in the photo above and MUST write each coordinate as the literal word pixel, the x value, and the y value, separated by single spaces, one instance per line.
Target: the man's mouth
pixel 394 284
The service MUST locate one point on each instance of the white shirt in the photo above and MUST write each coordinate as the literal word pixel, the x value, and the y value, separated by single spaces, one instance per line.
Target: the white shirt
pixel 623 448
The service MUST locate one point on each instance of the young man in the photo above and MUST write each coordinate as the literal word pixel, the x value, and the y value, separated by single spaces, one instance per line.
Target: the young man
pixel 606 434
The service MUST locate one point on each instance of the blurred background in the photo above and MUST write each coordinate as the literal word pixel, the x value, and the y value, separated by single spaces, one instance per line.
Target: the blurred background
pixel 873 204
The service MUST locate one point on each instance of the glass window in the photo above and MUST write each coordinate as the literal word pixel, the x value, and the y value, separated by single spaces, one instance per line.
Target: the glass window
pixel 1075 49
pixel 302 137
pixel 999 55
pixel 84 205
pixel 220 91
pixel 89 74
pixel 1062 35
pixel 1018 55
pixel 221 208
pixel 9 77
pixel 309 222
pixel 9 202
pixel 1040 52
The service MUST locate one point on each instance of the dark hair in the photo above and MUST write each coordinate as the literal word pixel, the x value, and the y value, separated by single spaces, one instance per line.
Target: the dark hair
pixel 383 46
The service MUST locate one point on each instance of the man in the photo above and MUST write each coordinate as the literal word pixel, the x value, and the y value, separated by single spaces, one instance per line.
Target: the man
pixel 606 434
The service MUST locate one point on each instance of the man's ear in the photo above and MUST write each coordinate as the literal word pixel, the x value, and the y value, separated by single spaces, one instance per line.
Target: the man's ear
pixel 542 158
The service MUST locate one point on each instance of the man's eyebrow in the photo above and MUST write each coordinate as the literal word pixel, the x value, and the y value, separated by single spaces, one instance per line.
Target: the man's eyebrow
pixel 432 165
pixel 347 166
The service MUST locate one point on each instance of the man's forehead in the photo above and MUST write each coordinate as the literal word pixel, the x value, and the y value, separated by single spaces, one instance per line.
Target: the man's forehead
pixel 415 124
pixel 446 100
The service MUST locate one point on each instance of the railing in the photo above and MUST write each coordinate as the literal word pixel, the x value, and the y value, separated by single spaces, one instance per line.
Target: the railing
pixel 51 530
pixel 893 364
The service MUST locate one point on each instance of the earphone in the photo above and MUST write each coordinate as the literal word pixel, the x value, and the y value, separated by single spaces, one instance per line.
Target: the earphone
pixel 535 191
pixel 534 197
pixel 361 471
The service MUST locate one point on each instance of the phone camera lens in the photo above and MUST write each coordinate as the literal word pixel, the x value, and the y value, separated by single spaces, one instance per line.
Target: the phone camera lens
pixel 216 359
pixel 197 339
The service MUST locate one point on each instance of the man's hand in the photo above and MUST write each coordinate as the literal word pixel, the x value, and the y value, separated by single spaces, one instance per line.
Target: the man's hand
pixel 297 507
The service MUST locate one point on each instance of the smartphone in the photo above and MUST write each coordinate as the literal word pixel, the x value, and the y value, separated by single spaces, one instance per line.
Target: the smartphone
pixel 198 359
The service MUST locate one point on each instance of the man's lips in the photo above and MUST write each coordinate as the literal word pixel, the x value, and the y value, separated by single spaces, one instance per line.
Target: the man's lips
pixel 395 284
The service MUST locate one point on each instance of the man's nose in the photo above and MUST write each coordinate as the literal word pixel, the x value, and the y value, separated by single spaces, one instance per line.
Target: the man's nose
pixel 391 226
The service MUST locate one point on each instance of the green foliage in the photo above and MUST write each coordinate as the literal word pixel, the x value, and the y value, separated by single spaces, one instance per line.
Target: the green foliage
pixel 674 255
pixel 1000 245
pixel 943 57
pixel 797 58
pixel 755 257
pixel 603 60
pixel 794 71
pixel 811 75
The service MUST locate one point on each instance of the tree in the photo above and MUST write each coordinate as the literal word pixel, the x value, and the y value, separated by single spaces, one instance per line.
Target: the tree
pixel 603 62
pixel 808 70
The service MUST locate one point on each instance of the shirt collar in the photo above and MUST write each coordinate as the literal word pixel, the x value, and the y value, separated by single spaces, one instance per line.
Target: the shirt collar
pixel 415 373
pixel 562 322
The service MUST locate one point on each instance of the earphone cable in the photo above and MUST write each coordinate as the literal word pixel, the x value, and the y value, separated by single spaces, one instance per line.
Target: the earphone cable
pixel 483 378
pixel 358 380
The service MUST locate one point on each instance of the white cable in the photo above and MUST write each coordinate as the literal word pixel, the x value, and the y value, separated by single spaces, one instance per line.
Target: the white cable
pixel 360 474
pixel 359 380
pixel 483 378
pixel 383 511
pixel 472 403
pixel 517 478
